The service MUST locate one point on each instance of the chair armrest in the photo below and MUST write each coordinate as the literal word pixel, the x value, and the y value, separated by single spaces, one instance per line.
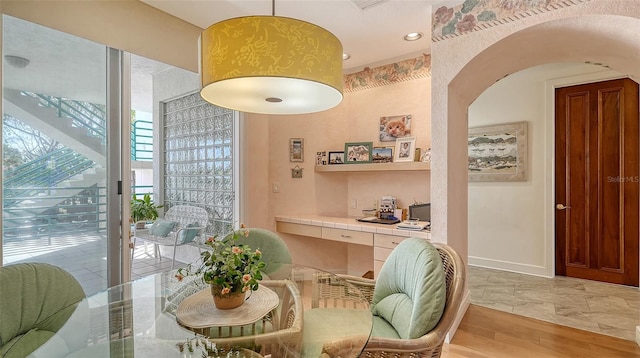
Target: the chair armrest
pixel 347 347
pixel 365 285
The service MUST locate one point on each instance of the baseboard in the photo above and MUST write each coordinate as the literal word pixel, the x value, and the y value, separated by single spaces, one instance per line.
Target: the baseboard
pixel 638 335
pixel 466 301
pixel 534 270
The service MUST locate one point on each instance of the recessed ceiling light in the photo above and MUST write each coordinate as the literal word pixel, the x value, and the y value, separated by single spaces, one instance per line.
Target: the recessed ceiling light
pixel 346 56
pixel 412 36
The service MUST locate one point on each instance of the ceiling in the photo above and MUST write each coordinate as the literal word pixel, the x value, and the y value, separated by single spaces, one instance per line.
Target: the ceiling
pixel 371 36
pixel 68 66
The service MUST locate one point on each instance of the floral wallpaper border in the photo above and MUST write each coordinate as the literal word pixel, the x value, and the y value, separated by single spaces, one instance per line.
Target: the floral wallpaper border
pixel 474 15
pixel 406 70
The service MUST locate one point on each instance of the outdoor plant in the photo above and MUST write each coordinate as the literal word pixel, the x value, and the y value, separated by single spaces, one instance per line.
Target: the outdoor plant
pixel 143 209
pixel 228 267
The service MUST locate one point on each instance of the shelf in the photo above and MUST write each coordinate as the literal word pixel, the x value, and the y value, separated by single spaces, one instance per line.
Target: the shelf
pixel 374 167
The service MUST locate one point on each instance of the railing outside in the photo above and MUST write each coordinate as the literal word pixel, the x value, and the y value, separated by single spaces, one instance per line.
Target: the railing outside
pixel 142 140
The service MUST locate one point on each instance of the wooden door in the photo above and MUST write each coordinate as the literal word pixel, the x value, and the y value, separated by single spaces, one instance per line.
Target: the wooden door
pixel 597 181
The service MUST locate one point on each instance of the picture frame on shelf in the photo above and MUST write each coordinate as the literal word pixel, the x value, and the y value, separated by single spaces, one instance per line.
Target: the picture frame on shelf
pixel 498 152
pixel 382 155
pixel 336 158
pixel 296 150
pixel 405 149
pixel 357 152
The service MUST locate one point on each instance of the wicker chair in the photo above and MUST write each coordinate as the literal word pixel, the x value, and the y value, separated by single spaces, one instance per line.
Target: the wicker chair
pixel 189 222
pixel 429 345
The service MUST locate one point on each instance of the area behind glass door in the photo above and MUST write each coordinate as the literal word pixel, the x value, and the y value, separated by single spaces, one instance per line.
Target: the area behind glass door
pixel 54 152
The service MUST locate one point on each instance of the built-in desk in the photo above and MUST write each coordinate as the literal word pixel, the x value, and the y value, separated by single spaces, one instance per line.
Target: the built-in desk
pixel 383 238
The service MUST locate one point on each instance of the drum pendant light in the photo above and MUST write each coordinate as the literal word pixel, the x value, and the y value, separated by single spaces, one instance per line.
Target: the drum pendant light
pixel 270 65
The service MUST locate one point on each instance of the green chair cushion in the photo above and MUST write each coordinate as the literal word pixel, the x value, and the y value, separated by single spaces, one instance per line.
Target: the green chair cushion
pixel 25 344
pixel 410 290
pixel 382 328
pixel 38 297
pixel 187 235
pixel 162 227
pixel 275 252
pixel 319 327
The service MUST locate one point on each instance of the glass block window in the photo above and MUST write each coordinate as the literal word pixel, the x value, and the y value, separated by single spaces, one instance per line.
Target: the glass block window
pixel 198 159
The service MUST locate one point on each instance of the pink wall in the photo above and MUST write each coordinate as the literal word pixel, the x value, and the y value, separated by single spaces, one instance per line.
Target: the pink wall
pixel 265 158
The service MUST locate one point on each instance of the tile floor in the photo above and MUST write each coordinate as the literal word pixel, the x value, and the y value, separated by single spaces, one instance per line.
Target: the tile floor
pixel 84 258
pixel 604 308
pixel 593 306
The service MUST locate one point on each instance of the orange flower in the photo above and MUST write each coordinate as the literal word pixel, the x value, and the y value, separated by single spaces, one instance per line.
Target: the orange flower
pixel 179 277
pixel 225 291
pixel 246 278
pixel 246 233
pixel 242 226
pixel 236 250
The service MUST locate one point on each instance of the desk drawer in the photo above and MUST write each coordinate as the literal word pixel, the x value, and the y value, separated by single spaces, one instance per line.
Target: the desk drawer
pixel 387 241
pixel 381 253
pixel 352 237
pixel 299 229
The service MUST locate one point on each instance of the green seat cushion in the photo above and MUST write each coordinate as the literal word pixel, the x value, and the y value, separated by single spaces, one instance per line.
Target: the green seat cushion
pixel 162 227
pixel 187 235
pixel 25 344
pixel 382 328
pixel 320 324
pixel 35 296
pixel 410 290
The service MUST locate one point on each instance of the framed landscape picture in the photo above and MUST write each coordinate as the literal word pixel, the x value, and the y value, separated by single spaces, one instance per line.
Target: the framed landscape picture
pixel 382 155
pixel 357 152
pixel 498 153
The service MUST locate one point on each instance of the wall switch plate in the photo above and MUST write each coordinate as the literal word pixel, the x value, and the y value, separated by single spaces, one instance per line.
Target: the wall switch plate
pixel 354 204
pixel 276 187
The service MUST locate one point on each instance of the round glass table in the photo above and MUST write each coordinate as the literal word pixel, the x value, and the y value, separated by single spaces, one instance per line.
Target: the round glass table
pixel 152 317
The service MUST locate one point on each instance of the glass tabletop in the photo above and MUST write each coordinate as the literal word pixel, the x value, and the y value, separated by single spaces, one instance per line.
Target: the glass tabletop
pixel 138 319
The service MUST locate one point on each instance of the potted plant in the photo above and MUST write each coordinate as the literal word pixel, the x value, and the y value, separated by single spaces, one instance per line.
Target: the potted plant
pixel 143 210
pixel 229 268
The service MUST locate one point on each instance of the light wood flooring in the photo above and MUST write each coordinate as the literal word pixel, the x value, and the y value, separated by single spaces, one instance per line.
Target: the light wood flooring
pixel 488 333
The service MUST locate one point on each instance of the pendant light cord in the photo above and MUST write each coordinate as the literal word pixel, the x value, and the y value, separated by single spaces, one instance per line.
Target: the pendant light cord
pixel 273 7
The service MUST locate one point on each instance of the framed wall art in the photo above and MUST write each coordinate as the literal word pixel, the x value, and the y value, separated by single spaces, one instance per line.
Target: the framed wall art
pixel 336 157
pixel 382 155
pixel 358 152
pixel 394 127
pixel 498 153
pixel 405 149
pixel 296 150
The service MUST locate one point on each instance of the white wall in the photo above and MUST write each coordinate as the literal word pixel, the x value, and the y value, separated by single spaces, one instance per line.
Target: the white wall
pixel 510 223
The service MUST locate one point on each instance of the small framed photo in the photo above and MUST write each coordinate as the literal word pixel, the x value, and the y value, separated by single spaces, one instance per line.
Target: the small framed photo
pixel 356 153
pixel 405 149
pixel 336 158
pixel 382 154
pixel 296 150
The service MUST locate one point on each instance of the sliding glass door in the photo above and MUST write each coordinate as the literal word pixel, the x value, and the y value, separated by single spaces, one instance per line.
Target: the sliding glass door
pixel 60 202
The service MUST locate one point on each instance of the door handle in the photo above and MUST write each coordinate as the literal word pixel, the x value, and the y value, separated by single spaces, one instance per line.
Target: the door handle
pixel 562 207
